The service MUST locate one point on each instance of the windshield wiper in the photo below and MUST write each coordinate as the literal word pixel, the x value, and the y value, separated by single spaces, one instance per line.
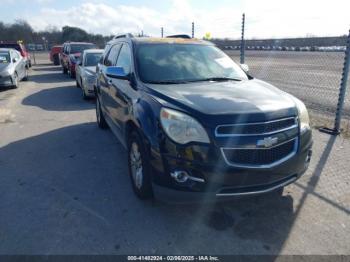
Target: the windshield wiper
pixel 166 82
pixel 218 79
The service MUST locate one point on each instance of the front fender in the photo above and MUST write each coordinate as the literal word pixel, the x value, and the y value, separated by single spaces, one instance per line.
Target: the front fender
pixel 146 114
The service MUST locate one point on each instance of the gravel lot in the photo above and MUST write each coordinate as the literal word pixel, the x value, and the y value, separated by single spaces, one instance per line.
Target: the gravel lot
pixel 64 189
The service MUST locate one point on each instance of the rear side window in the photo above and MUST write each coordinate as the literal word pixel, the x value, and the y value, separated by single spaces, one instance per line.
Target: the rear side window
pixel 112 55
pixel 124 58
pixel 16 55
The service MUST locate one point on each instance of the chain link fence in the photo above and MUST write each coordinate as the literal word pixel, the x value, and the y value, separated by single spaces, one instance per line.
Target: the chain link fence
pixel 314 69
pixel 314 77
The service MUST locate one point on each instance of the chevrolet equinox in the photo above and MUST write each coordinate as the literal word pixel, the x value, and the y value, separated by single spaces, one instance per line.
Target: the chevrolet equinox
pixel 197 126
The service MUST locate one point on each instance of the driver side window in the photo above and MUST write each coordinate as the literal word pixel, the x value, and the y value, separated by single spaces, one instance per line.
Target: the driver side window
pixel 112 55
pixel 124 59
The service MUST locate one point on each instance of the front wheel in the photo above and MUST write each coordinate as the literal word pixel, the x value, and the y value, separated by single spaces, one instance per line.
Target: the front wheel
pixel 101 121
pixel 139 167
pixel 77 83
pixel 25 78
pixel 15 81
pixel 85 97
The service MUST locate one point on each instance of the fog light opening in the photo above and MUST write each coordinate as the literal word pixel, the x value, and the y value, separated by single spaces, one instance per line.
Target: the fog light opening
pixel 181 176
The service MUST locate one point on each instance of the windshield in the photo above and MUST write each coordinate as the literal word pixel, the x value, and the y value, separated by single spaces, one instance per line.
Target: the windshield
pixel 92 59
pixel 185 63
pixel 4 58
pixel 80 48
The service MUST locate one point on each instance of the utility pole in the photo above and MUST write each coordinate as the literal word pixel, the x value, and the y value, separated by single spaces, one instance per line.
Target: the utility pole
pixel 192 29
pixel 242 40
pixel 343 86
pixel 162 32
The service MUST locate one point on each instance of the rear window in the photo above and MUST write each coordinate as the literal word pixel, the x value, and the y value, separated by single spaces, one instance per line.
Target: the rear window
pixel 81 48
pixel 14 46
pixel 4 58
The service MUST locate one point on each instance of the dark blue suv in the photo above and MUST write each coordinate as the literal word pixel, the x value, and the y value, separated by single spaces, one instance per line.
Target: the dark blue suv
pixel 197 126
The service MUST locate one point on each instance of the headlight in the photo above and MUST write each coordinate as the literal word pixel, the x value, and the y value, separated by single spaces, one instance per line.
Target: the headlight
pixel 182 128
pixel 303 115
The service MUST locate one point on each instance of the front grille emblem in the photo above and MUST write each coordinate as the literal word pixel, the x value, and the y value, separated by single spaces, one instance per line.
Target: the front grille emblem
pixel 267 142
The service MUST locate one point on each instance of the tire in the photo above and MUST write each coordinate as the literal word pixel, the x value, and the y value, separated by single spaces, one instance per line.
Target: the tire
pixel 85 97
pixel 56 60
pixel 25 78
pixel 71 74
pixel 101 121
pixel 77 83
pixel 139 167
pixel 15 81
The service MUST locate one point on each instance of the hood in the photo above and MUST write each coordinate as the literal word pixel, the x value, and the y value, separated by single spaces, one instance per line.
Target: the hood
pixel 227 98
pixel 90 69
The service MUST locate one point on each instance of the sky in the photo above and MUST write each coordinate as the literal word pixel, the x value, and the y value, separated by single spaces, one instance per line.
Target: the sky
pixel 221 18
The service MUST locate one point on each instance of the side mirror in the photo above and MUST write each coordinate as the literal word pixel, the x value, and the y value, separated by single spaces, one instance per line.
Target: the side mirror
pixel 116 72
pixel 14 60
pixel 245 68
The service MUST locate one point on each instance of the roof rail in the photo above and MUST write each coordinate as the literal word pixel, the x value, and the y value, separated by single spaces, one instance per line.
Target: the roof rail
pixel 127 35
pixel 179 36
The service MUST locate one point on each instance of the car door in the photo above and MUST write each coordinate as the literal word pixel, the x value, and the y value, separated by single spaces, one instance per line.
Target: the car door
pixel 79 69
pixel 19 65
pixel 120 90
pixel 105 81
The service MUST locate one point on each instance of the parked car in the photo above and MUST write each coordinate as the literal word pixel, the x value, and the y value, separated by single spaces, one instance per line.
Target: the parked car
pixel 55 54
pixel 12 68
pixel 85 71
pixel 31 47
pixel 71 52
pixel 19 46
pixel 195 125
pixel 39 47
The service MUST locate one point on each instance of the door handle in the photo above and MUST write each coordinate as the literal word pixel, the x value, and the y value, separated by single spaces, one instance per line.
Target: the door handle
pixel 109 82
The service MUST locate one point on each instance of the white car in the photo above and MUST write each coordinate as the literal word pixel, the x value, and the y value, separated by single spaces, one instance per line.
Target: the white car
pixel 86 71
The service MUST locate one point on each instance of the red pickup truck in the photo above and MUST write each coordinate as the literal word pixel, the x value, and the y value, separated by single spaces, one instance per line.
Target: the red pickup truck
pixel 55 54
pixel 71 52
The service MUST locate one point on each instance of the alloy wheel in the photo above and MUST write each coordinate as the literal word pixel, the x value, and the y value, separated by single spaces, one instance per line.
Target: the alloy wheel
pixel 136 165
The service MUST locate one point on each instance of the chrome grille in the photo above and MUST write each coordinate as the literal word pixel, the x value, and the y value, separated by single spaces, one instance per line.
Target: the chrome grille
pixel 260 128
pixel 260 157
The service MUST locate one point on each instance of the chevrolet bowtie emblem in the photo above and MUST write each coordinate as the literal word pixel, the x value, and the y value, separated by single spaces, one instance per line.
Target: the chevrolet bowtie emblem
pixel 267 142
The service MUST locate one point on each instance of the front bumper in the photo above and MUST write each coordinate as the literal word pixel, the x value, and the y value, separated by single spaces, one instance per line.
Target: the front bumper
pixel 89 86
pixel 6 81
pixel 218 180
